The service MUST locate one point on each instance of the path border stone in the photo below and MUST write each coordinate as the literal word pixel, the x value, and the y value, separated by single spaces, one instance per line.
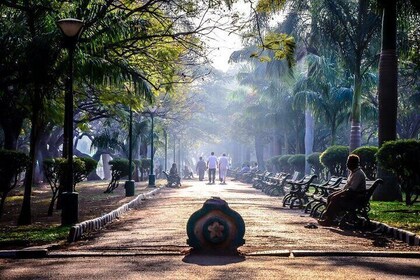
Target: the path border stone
pixel 78 230
pixel 403 235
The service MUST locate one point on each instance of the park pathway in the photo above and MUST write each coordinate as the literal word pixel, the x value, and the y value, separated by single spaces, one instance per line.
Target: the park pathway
pixel 159 225
pixel 147 243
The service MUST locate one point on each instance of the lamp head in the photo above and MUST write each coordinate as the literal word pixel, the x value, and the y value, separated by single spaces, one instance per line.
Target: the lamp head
pixel 71 27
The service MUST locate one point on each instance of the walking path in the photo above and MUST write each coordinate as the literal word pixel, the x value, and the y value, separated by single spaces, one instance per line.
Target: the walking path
pixel 147 243
pixel 160 225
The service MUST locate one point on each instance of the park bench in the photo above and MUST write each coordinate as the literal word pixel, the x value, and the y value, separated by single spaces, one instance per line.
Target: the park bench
pixel 295 176
pixel 172 181
pixel 259 179
pixel 275 184
pixel 248 176
pixel 355 215
pixel 319 192
pixel 297 194
pixel 233 172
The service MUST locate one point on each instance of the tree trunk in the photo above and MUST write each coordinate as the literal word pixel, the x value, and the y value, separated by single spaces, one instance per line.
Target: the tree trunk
pixel 259 152
pixel 12 127
pixel 388 98
pixel 356 131
pixel 25 213
pixel 309 138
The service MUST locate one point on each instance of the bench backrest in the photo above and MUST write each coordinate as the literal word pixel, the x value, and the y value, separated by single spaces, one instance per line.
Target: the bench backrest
pixel 371 187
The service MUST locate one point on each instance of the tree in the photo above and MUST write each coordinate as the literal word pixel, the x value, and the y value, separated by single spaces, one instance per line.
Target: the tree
pixel 388 92
pixel 325 92
pixel 12 164
pixel 154 44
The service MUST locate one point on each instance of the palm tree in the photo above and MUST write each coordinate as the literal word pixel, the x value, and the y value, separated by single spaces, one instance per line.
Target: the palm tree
pixel 388 89
pixel 325 93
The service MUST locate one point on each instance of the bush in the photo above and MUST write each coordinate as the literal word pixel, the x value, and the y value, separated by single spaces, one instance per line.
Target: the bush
pixel 334 159
pixel 297 163
pixel 145 163
pixel 367 155
pixel 273 164
pixel 284 164
pixel 119 169
pixel 54 170
pixel 12 163
pixel 82 168
pixel 402 157
pixel 316 166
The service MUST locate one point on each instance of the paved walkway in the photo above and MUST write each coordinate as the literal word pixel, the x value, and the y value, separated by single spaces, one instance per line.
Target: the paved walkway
pixel 160 224
pixel 147 244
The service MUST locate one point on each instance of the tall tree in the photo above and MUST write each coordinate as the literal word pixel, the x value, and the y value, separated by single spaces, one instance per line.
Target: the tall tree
pixel 388 90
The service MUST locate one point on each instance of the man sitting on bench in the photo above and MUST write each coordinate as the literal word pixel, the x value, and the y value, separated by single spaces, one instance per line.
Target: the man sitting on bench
pixel 345 198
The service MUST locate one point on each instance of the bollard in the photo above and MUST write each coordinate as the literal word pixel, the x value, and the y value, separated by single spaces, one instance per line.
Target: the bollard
pixel 129 188
pixel 215 228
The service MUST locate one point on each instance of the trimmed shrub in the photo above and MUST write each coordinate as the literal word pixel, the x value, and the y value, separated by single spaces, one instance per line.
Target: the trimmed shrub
pixel 334 159
pixel 284 164
pixel 273 164
pixel 145 163
pixel 316 166
pixel 82 171
pixel 367 155
pixel 402 157
pixel 119 169
pixel 297 163
pixel 54 170
pixel 12 164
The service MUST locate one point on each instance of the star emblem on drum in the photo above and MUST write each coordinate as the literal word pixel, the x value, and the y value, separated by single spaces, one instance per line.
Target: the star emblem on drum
pixel 216 230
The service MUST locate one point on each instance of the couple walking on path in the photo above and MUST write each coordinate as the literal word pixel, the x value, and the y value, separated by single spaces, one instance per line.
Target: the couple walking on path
pixel 213 163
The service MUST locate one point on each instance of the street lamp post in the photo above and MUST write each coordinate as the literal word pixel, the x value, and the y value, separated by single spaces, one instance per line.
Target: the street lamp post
pixel 152 178
pixel 129 184
pixel 71 29
pixel 166 149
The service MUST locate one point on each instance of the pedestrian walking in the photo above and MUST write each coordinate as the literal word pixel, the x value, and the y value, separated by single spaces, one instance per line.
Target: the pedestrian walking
pixel 201 168
pixel 212 165
pixel 223 167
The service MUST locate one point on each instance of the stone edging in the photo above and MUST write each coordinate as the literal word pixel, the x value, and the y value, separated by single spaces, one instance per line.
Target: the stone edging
pixel 406 236
pixel 78 230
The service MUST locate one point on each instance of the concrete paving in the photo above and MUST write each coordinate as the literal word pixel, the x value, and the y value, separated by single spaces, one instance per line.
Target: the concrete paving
pixel 150 243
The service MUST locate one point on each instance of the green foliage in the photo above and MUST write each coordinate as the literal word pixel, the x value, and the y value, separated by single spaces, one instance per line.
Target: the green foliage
pixel 284 164
pixel 334 159
pixel 121 166
pixel 396 214
pixel 402 157
pixel 55 168
pixel 145 163
pixel 35 234
pixel 297 162
pixel 367 155
pixel 273 163
pixel 119 169
pixel 282 45
pixel 12 163
pixel 315 164
pixel 83 171
pixel 266 6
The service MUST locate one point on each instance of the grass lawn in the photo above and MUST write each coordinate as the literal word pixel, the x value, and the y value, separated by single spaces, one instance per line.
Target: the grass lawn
pixel 397 214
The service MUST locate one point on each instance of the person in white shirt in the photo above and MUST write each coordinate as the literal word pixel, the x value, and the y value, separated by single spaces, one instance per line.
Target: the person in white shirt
pixel 223 167
pixel 356 185
pixel 212 165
